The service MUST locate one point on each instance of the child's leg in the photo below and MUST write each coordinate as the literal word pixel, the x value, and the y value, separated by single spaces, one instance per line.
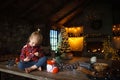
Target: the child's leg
pixel 41 62
pixel 29 69
pixel 40 68
pixel 23 65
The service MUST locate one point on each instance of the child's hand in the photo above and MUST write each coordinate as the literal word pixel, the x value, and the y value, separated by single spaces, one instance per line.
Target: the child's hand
pixel 31 55
pixel 36 53
pixel 26 59
pixel 24 46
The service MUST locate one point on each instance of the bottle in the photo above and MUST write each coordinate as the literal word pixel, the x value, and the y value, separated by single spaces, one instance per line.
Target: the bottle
pixel 16 60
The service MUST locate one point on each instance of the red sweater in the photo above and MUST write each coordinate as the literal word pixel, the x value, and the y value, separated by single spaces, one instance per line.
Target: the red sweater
pixel 28 51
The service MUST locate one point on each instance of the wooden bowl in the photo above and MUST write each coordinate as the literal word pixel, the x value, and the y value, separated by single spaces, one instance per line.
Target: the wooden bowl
pixel 100 66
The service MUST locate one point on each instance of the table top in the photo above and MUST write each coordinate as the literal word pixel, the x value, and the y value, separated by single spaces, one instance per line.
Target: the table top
pixel 38 75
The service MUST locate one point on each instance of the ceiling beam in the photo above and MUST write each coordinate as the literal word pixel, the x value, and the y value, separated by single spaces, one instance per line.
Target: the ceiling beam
pixel 64 11
pixel 68 17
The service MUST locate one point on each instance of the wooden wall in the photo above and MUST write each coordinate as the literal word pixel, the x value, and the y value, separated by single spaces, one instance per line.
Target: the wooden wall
pixel 14 34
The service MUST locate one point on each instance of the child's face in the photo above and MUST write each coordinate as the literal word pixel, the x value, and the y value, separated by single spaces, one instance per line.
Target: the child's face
pixel 33 41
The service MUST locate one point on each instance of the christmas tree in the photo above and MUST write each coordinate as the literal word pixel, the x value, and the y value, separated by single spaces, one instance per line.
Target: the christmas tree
pixel 63 43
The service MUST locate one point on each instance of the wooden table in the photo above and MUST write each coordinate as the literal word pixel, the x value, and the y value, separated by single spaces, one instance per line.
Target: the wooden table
pixel 44 75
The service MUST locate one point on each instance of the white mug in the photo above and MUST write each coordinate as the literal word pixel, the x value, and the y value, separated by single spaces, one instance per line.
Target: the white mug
pixel 93 59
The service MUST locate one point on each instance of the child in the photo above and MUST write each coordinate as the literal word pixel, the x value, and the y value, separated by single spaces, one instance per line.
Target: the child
pixel 32 57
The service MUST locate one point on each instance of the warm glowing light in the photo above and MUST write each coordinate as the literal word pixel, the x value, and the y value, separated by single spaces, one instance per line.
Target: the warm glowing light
pixel 98 49
pixel 76 43
pixel 113 29
pixel 94 50
pixel 116 41
pixel 67 30
pixel 118 28
pixel 102 51
pixel 114 26
pixel 75 30
pixel 70 30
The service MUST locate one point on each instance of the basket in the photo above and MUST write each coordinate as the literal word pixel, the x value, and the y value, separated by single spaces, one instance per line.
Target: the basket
pixel 100 66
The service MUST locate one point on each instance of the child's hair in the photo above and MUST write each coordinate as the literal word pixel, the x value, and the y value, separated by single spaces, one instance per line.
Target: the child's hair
pixel 38 35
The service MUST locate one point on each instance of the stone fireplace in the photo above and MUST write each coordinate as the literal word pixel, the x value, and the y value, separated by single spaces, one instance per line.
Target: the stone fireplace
pixel 94 45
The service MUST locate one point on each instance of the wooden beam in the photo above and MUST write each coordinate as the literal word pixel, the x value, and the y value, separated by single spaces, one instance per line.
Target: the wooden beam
pixel 73 13
pixel 68 17
pixel 65 10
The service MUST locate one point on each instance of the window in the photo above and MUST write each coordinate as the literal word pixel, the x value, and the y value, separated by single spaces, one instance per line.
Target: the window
pixel 53 39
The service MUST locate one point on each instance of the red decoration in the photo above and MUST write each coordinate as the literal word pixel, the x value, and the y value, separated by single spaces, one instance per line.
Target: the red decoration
pixel 55 70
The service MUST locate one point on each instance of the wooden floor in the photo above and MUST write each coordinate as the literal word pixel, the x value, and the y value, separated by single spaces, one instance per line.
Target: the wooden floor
pixel 44 75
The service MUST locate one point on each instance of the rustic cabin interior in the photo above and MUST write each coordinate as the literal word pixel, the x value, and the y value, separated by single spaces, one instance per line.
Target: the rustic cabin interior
pixel 82 37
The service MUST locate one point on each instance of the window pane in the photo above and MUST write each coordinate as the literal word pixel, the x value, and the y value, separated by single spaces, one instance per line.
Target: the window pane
pixel 53 39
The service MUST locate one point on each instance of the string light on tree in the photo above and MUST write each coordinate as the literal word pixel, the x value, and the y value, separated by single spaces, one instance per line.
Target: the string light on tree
pixel 63 45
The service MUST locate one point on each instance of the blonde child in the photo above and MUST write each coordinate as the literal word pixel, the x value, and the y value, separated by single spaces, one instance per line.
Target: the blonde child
pixel 32 57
